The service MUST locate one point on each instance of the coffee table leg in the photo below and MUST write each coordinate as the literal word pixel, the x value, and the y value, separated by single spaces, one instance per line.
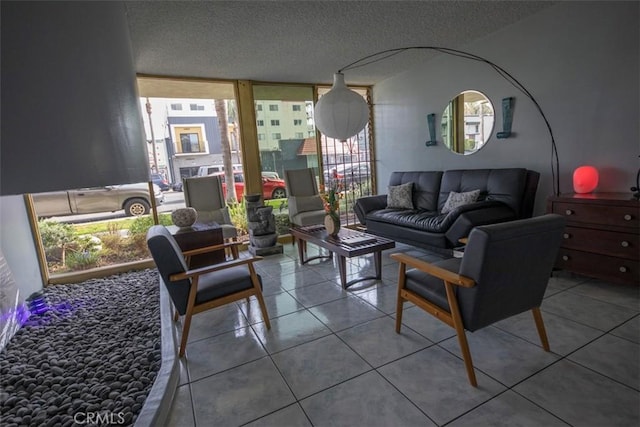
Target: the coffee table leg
pixel 342 266
pixel 377 259
pixel 301 250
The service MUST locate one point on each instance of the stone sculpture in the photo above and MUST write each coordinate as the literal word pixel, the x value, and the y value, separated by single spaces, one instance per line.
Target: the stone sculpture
pixel 263 238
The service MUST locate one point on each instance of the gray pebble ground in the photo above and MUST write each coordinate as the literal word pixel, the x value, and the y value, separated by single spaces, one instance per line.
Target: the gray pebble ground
pixel 91 359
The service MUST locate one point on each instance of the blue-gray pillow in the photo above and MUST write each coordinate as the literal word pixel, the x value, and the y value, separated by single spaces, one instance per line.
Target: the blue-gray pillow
pixel 459 199
pixel 400 196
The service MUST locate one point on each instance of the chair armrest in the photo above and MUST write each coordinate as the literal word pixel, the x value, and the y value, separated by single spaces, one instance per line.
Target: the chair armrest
pixel 364 205
pixel 434 270
pixel 215 267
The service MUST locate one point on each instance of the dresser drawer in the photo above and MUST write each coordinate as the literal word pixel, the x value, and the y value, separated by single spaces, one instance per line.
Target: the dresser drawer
pixel 601 266
pixel 624 245
pixel 621 216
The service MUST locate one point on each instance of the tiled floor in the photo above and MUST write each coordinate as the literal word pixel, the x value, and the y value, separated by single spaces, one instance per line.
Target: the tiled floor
pixel 332 357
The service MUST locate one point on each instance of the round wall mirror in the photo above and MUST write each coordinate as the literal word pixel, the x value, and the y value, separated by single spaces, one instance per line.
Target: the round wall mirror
pixel 467 122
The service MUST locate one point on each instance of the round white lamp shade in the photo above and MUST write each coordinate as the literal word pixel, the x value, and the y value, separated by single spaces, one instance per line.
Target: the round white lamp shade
pixel 341 113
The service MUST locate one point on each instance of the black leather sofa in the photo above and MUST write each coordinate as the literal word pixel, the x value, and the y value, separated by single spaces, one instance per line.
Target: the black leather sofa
pixel 505 195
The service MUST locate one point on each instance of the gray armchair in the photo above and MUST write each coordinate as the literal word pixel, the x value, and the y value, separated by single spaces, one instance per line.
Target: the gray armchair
pixel 305 204
pixel 205 195
pixel 504 271
pixel 204 288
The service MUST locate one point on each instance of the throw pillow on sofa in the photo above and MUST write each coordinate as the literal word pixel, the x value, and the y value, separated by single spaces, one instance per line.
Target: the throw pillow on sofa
pixel 400 196
pixel 459 199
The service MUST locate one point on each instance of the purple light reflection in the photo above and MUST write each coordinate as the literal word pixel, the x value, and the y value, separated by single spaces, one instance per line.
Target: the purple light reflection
pixel 20 314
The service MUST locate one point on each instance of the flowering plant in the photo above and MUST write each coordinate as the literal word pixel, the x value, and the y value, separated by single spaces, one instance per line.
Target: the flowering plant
pixel 331 195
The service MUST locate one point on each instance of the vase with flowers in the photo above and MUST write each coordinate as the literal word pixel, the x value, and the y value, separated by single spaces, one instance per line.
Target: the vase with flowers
pixel 331 195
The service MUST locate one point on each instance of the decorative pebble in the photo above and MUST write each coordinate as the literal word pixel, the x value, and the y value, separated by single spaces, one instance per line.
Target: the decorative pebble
pixel 96 349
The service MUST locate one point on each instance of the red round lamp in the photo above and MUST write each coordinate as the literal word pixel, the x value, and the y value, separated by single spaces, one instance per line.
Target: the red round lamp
pixel 585 179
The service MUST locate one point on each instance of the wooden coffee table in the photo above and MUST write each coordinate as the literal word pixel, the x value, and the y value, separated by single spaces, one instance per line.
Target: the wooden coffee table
pixel 345 245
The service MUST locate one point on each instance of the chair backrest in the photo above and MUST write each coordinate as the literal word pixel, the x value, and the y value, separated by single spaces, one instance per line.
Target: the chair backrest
pixel 300 182
pixel 169 260
pixel 511 263
pixel 203 193
pixel 305 204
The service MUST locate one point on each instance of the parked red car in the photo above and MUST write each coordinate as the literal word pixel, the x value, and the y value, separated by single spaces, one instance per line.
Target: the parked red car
pixel 272 188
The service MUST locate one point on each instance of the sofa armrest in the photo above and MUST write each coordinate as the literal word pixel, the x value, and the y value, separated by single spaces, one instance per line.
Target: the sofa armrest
pixel 476 214
pixel 364 205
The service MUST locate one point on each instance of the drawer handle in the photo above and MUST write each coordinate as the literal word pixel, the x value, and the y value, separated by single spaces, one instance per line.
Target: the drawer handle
pixel 566 235
pixel 568 212
pixel 565 257
pixel 627 217
pixel 623 269
pixel 625 244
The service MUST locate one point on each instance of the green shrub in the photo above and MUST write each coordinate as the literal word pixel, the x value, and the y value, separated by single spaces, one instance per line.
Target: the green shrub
pixel 56 238
pixel 80 260
pixel 282 223
pixel 141 224
pixel 238 214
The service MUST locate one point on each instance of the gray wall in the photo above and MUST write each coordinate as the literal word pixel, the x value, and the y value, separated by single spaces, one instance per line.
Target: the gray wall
pixel 70 108
pixel 70 112
pixel 578 59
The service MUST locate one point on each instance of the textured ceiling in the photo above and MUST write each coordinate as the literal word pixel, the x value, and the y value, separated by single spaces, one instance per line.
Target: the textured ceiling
pixel 304 41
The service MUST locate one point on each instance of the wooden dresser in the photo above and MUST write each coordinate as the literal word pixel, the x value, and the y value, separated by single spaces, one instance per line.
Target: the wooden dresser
pixel 602 235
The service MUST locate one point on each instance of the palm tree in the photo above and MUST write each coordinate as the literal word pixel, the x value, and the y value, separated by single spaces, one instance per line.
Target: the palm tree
pixel 221 112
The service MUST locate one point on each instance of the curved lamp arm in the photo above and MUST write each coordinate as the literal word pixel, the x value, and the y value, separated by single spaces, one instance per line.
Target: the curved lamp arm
pixel 384 54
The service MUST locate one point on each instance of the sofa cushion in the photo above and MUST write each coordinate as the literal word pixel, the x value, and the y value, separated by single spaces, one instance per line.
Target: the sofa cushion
pixel 503 185
pixel 459 199
pixel 400 196
pixel 434 222
pixel 426 187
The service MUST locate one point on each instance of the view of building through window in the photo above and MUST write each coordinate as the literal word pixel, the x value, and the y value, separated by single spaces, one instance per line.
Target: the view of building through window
pixel 187 135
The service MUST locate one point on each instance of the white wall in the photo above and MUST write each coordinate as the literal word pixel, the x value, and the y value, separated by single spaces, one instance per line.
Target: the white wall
pixel 578 59
pixel 17 245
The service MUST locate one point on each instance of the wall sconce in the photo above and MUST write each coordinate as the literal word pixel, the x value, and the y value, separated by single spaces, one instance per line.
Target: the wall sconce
pixel 585 179
pixel 340 112
pixel 507 118
pixel 431 122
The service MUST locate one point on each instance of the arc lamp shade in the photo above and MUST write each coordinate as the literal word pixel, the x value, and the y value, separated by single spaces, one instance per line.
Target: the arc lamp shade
pixel 585 179
pixel 341 113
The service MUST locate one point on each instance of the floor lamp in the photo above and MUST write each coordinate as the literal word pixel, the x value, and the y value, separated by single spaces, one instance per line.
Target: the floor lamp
pixel 342 113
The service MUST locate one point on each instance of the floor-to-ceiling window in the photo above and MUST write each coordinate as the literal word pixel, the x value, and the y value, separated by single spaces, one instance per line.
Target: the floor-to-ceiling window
pixel 285 127
pixel 193 127
pixel 189 125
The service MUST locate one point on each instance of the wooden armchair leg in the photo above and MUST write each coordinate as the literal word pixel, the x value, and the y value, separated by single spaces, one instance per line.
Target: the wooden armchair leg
pixel 466 354
pixel 263 309
pixel 537 316
pixel 176 316
pixel 399 307
pixel 402 279
pixel 185 333
pixel 462 336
